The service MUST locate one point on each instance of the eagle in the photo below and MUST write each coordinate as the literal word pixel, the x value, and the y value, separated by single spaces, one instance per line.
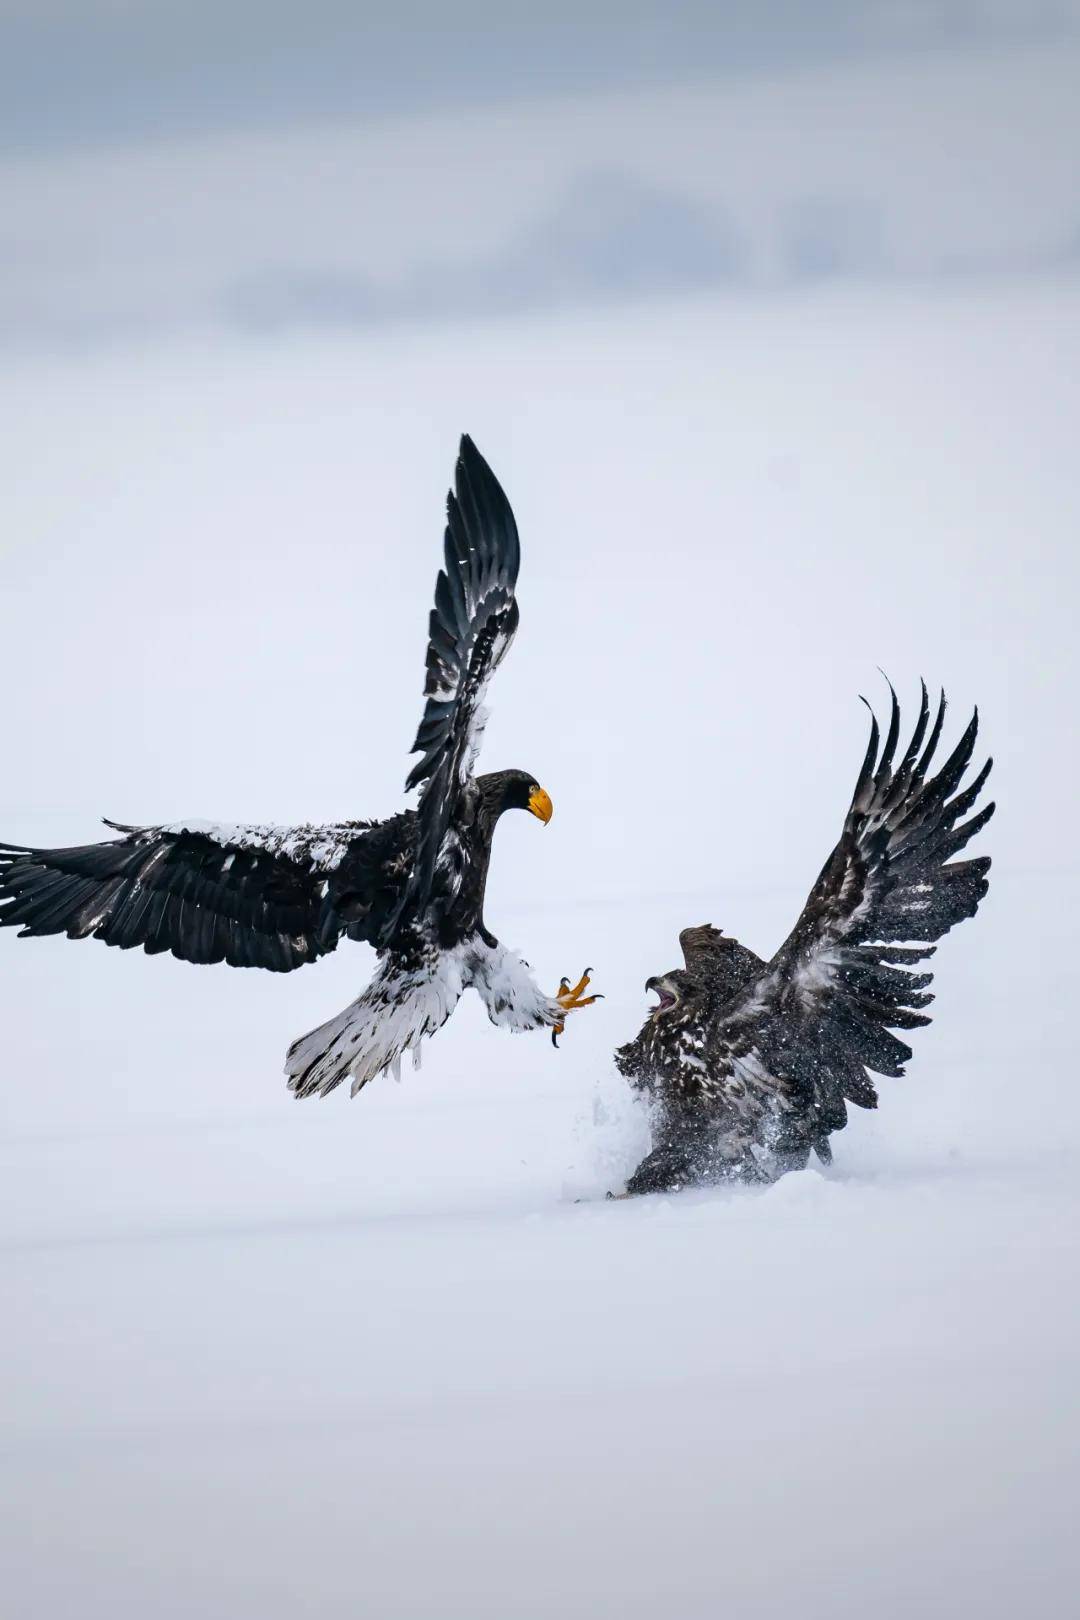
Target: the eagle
pixel 412 886
pixel 750 1064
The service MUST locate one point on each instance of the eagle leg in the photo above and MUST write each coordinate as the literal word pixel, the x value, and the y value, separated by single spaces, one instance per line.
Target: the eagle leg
pixel 570 998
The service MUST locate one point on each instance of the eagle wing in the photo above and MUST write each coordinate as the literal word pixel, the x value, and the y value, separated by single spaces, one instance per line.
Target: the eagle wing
pixel 822 1011
pixel 699 946
pixel 250 896
pixel 471 627
pixel 714 959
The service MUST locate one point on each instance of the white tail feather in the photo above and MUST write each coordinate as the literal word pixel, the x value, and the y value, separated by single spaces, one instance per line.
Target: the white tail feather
pixel 400 1008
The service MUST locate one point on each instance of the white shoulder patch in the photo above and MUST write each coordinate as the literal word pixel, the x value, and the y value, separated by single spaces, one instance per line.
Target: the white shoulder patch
pixel 319 849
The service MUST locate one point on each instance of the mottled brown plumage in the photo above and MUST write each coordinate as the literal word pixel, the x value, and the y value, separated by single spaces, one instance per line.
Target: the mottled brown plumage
pixel 751 1064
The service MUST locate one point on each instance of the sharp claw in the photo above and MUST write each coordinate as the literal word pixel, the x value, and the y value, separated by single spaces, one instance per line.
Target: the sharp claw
pixel 570 998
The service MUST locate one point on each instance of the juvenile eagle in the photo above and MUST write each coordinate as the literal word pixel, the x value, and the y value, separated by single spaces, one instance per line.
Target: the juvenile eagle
pixel 412 886
pixel 750 1063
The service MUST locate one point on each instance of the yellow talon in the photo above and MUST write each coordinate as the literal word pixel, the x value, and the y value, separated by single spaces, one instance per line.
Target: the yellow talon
pixel 570 998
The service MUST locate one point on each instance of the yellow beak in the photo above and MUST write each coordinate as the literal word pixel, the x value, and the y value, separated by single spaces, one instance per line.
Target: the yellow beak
pixel 541 805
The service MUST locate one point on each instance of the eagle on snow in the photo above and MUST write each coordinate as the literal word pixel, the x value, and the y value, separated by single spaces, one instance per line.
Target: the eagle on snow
pixel 411 886
pixel 751 1064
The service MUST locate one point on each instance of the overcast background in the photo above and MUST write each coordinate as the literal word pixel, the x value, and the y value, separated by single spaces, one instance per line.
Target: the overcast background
pixel 768 318
pixel 262 169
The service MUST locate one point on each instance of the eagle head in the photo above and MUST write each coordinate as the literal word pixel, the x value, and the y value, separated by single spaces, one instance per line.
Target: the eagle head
pixel 648 1058
pixel 515 790
pixel 675 989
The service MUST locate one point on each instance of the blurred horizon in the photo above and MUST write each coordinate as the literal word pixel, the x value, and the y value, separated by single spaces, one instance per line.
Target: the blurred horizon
pixel 85 72
pixel 212 176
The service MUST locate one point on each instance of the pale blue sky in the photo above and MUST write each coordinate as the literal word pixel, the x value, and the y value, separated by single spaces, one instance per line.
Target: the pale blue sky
pixel 168 169
pixel 87 71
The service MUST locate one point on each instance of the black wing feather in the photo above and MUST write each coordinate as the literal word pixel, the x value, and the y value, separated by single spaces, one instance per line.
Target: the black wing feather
pixel 170 891
pixel 471 627
pixel 791 1042
pixel 842 981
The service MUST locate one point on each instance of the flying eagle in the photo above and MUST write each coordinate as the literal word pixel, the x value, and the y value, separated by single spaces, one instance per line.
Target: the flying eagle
pixel 751 1064
pixel 412 886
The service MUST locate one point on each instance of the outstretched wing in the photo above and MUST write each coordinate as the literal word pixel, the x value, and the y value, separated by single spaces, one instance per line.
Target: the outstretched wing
pixel 207 892
pixel 713 959
pixel 472 625
pixel 700 946
pixel 823 1010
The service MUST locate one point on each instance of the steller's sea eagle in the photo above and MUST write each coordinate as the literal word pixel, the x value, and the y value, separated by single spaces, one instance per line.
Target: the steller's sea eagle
pixel 412 886
pixel 751 1064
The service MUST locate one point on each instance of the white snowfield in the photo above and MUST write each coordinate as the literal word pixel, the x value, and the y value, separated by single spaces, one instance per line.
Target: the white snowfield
pixel 264 1359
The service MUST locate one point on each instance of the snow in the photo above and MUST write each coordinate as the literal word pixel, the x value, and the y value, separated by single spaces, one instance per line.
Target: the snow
pixel 323 848
pixel 264 1358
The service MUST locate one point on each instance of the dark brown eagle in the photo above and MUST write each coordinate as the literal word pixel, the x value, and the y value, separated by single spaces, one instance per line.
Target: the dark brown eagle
pixel 751 1064
pixel 412 886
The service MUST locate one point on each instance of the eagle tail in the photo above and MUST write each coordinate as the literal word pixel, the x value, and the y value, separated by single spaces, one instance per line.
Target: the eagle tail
pixel 400 1008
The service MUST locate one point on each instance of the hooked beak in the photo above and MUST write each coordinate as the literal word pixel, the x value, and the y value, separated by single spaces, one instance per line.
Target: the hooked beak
pixel 541 806
pixel 666 998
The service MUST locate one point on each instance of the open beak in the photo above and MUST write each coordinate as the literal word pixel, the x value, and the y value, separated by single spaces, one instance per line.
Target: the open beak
pixel 666 998
pixel 541 805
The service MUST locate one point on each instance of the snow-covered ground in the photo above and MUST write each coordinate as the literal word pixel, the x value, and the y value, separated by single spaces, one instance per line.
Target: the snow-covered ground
pixel 264 1359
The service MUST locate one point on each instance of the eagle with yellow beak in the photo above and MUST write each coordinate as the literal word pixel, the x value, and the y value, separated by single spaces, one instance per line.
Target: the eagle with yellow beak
pixel 412 886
